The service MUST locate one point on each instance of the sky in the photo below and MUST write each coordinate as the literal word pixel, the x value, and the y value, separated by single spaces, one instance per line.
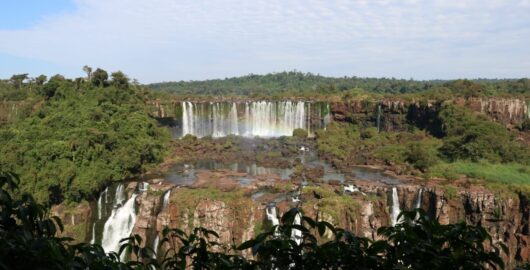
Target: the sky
pixel 172 40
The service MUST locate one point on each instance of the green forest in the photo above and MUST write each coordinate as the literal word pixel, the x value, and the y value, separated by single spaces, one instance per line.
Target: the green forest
pixel 78 135
pixel 294 83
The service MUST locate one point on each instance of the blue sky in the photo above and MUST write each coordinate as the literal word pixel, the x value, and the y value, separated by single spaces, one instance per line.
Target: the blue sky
pixel 165 40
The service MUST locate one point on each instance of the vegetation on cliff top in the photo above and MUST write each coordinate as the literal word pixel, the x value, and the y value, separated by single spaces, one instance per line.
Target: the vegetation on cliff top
pixel 461 143
pixel 86 133
pixel 296 84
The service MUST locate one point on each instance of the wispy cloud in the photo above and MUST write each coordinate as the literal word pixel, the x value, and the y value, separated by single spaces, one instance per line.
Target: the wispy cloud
pixel 172 40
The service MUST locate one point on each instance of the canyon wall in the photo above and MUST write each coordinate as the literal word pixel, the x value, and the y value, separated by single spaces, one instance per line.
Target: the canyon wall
pixel 238 218
pixel 394 114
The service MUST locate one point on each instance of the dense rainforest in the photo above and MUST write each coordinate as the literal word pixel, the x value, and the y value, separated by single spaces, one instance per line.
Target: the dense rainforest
pixel 294 83
pixel 78 135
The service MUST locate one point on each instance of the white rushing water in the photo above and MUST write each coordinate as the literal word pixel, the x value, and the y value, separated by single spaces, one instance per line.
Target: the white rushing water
pixel 119 225
pixel 260 118
pixel 93 241
pixel 272 216
pixel 120 195
pixel 417 205
pixel 296 235
pixel 395 210
pixel 418 199
pixel 165 200
pixel 155 246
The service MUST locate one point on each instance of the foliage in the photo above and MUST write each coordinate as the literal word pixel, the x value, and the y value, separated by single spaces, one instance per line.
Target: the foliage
pixel 300 133
pixel 294 83
pixel 473 137
pixel 29 238
pixel 80 139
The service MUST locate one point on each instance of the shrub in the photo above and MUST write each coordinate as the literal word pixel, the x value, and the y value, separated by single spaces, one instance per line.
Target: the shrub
pixel 300 133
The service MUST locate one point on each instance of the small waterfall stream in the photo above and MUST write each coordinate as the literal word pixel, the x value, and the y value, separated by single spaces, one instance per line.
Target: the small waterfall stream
pixel 272 215
pixel 155 246
pixel 417 204
pixel 418 199
pixel 165 200
pixel 395 210
pixel 296 235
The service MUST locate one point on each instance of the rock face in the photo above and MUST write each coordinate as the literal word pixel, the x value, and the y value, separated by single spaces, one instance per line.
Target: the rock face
pixel 236 218
pixel 75 220
pixel 504 110
pixel 393 114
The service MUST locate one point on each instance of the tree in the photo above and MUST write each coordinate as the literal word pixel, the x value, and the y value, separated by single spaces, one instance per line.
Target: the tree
pixel 120 80
pixel 99 78
pixel 18 79
pixel 40 80
pixel 88 71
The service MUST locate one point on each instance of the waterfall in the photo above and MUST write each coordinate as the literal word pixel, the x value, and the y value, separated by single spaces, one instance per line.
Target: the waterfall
pixel 119 225
pixel 417 205
pixel 233 120
pixel 418 199
pixel 100 201
pixel 379 118
pixel 155 246
pixel 395 210
pixel 296 235
pixel 258 118
pixel 120 195
pixel 165 201
pixel 272 216
pixel 100 204
pixel 143 187
pixel 93 241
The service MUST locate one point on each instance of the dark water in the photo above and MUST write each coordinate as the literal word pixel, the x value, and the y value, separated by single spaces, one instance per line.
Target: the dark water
pixel 184 174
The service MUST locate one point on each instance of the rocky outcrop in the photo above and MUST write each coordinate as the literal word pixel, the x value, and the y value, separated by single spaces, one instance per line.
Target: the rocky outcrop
pixel 74 219
pixel 395 114
pixel 503 110
pixel 236 217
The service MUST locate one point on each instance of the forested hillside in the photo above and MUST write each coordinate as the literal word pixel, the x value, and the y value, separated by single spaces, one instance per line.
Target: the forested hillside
pixel 78 134
pixel 297 83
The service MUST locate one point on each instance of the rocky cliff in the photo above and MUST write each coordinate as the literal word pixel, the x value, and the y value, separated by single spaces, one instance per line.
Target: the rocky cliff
pixel 237 217
pixel 394 114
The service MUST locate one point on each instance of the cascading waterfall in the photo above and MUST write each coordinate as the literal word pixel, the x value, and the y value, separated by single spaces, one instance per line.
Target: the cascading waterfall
pixel 296 235
pixel 119 225
pixel 120 195
pixel 417 205
pixel 93 241
pixel 395 210
pixel 155 246
pixel 100 201
pixel 258 118
pixel 418 199
pixel 272 216
pixel 165 200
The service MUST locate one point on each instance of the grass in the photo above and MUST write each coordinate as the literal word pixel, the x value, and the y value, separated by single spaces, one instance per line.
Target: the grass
pixel 333 204
pixel 495 176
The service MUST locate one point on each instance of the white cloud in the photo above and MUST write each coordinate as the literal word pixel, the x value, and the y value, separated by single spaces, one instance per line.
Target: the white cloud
pixel 172 40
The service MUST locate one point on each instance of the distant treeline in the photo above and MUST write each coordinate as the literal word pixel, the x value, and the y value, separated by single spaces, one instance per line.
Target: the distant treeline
pixel 298 83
